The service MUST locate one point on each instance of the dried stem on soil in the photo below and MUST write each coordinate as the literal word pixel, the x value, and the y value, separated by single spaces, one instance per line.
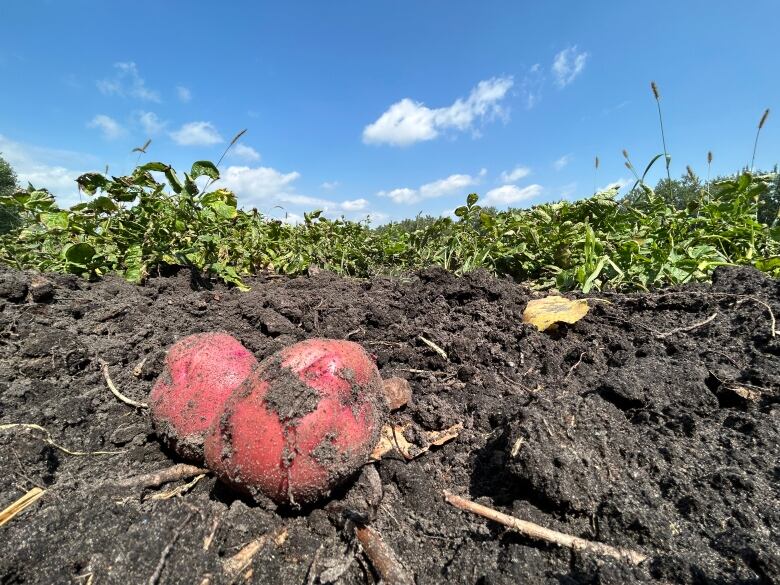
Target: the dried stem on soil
pixel 382 557
pixel 117 393
pixel 175 473
pixel 179 490
pixel 688 328
pixel 433 346
pixel 238 563
pixel 155 578
pixel 20 505
pixel 49 440
pixel 537 532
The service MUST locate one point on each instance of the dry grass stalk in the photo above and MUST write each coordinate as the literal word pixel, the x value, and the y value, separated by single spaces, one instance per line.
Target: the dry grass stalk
pixel 433 346
pixel 536 532
pixel 21 504
pixel 48 439
pixel 174 473
pixel 238 563
pixel 179 490
pixel 117 393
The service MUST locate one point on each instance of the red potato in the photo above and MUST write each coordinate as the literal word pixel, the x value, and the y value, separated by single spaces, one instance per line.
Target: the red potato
pixel 303 421
pixel 201 371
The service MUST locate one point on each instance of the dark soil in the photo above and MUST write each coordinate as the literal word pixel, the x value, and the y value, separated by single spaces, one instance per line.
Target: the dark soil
pixel 630 427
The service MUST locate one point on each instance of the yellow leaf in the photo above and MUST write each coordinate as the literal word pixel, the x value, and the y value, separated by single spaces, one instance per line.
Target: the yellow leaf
pixel 544 312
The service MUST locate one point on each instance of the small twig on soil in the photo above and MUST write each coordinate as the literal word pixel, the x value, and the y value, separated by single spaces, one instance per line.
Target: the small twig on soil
pixel 21 504
pixel 210 538
pixel 741 299
pixel 575 366
pixel 117 393
pixel 768 308
pixel 433 346
pixel 175 473
pixel 178 490
pixel 537 532
pixel 153 580
pixel 687 328
pixel 382 557
pixel 49 440
pixel 239 562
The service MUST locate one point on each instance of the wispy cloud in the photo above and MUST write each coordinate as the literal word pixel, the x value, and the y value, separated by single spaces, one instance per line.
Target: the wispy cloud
pixel 567 190
pixel 197 134
pixel 519 172
pixel 509 194
pixel 619 183
pixel 151 123
pixel 406 122
pixel 244 152
pixel 531 86
pixel 329 185
pixel 110 128
pixel 562 162
pixel 183 93
pixel 567 65
pixel 127 82
pixel 452 185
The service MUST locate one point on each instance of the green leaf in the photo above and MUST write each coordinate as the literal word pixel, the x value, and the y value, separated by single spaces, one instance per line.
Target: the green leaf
pixel 173 180
pixel 153 166
pixel 472 199
pixel 79 254
pixel 204 167
pixel 91 182
pixel 56 220
pixel 134 267
pixel 102 203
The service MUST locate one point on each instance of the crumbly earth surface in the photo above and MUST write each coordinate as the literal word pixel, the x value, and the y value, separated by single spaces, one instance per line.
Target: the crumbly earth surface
pixel 649 425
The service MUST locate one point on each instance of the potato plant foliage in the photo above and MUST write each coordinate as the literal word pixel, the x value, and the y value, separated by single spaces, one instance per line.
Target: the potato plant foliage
pixel 134 225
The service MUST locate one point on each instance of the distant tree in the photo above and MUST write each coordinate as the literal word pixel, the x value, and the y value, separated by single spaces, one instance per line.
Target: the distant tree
pixel 8 218
pixel 689 188
pixel 7 178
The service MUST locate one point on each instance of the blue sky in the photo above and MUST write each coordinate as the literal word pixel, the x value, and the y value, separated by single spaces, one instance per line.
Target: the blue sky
pixel 390 107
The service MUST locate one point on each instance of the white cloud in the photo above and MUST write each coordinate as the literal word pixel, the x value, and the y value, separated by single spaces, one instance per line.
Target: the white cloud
pixel 406 122
pixel 562 162
pixel 245 152
pixel 127 82
pixel 197 134
pixel 568 190
pixel 508 194
pixel 257 184
pixel 452 185
pixel 55 170
pixel 401 195
pixel 531 86
pixel 568 64
pixel 619 183
pixel 265 187
pixel 110 128
pixel 329 185
pixel 354 205
pixel 519 172
pixel 151 123
pixel 183 93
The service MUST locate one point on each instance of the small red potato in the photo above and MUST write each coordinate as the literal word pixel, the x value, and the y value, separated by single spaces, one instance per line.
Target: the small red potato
pixel 305 419
pixel 201 371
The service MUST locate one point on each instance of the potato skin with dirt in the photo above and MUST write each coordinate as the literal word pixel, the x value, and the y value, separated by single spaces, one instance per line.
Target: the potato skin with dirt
pixel 201 372
pixel 303 421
